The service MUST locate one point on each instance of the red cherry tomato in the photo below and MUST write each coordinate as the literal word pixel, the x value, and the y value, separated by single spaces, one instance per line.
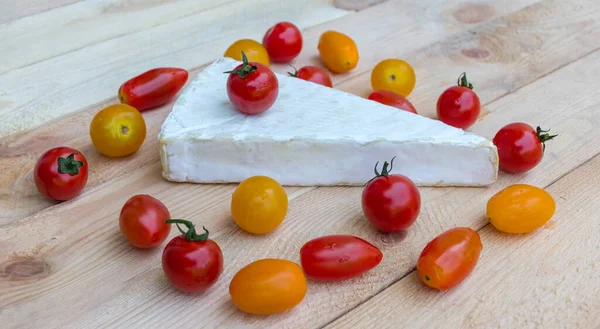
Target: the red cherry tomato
pixel 391 202
pixel 143 221
pixel 338 257
pixel 283 42
pixel 152 88
pixel 252 87
pixel 313 74
pixel 459 106
pixel 520 147
pixel 392 99
pixel 449 258
pixel 61 173
pixel 192 262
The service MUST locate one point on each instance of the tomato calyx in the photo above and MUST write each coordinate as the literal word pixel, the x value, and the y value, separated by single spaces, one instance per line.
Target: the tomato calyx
pixel 191 234
pixel 295 74
pixel 384 170
pixel 69 165
pixel 543 136
pixel 463 82
pixel 246 68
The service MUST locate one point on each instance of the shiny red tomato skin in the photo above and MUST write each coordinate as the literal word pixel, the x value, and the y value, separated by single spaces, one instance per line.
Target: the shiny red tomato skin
pixel 192 266
pixel 314 74
pixel 449 258
pixel 392 99
pixel 283 42
pixel 142 221
pixel 254 93
pixel 519 147
pixel 459 107
pixel 338 257
pixel 153 88
pixel 391 203
pixel 55 185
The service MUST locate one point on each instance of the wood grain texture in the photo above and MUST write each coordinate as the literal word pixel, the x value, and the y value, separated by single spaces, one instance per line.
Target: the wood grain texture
pixel 15 9
pixel 546 279
pixel 20 198
pixel 68 251
pixel 93 74
pixel 33 39
pixel 502 55
pixel 33 95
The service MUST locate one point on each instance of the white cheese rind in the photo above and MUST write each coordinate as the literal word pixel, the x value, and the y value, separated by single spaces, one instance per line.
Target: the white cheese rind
pixel 313 135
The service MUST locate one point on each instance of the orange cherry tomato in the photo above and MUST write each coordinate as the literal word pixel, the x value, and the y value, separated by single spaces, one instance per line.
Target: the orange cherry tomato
pixel 338 52
pixel 268 286
pixel 393 75
pixel 118 130
pixel 255 52
pixel 259 204
pixel 520 208
pixel 449 258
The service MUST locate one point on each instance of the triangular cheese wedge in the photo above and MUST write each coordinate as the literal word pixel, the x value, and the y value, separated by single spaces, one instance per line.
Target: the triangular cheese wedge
pixel 313 135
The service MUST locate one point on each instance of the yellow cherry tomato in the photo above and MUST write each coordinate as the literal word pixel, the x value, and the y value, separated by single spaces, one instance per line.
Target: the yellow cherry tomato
pixel 520 208
pixel 255 51
pixel 393 75
pixel 268 286
pixel 118 130
pixel 259 205
pixel 338 52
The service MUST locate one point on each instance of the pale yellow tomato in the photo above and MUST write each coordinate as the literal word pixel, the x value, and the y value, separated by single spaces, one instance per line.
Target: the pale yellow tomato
pixel 118 130
pixel 520 208
pixel 393 75
pixel 255 52
pixel 259 205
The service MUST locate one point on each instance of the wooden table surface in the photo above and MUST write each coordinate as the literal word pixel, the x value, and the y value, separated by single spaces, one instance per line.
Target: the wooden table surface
pixel 67 266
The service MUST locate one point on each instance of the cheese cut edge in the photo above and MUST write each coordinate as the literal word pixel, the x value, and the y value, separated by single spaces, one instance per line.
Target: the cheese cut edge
pixel 236 160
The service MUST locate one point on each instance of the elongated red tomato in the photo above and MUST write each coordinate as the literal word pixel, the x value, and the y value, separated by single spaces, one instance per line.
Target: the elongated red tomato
pixel 283 42
pixel 520 147
pixel 313 74
pixel 192 262
pixel 152 88
pixel 459 106
pixel 391 202
pixel 449 258
pixel 338 257
pixel 143 221
pixel 61 173
pixel 252 87
pixel 392 99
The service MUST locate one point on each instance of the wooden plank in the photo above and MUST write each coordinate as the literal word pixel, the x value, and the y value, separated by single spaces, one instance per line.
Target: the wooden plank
pixel 76 247
pixel 33 95
pixel 547 279
pixel 19 197
pixel 14 9
pixel 36 38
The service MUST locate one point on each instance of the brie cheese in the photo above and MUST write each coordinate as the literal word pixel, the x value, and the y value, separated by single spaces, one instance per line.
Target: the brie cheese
pixel 313 135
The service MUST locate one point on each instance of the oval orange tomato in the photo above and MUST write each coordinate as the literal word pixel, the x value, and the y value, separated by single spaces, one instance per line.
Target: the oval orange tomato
pixel 259 204
pixel 118 130
pixel 520 208
pixel 338 51
pixel 393 75
pixel 255 52
pixel 449 258
pixel 268 286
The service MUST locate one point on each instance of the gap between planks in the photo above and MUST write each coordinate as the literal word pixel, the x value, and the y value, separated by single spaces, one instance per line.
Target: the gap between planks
pixel 550 160
pixel 412 270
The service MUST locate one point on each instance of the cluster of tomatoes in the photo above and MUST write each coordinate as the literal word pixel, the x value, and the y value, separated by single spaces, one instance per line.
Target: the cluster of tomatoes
pixel 390 202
